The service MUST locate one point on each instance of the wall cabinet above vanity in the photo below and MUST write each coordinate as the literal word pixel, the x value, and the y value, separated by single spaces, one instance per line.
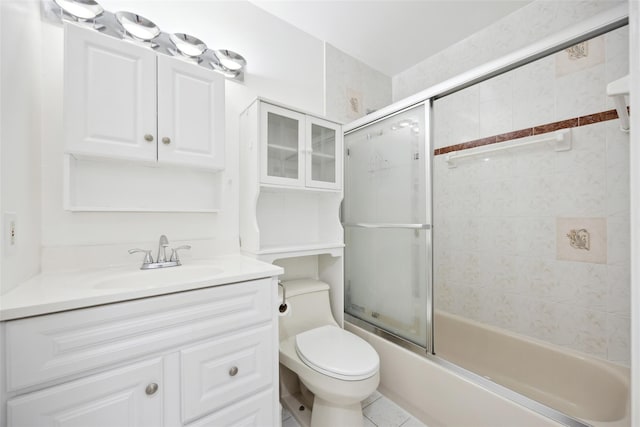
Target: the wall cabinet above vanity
pixel 125 101
pixel 126 108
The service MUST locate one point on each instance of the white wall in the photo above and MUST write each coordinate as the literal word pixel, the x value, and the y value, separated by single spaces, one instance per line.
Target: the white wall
pixel 284 64
pixel 517 30
pixel 353 89
pixel 20 137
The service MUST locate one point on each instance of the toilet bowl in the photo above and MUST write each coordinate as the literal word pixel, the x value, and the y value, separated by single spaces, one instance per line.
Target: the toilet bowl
pixel 338 367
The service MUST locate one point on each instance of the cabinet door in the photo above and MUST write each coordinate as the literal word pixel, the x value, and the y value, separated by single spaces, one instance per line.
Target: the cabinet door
pixel 109 96
pixel 190 114
pixel 114 398
pixel 281 146
pixel 218 373
pixel 324 154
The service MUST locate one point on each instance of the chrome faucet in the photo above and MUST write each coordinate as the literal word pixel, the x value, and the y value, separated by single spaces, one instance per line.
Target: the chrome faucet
pixel 162 249
pixel 161 259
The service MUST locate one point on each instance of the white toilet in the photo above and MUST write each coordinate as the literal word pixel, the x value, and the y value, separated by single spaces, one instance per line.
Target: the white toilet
pixel 339 368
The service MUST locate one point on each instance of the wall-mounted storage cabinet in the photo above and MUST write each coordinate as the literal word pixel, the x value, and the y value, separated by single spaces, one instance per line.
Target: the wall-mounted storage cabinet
pixel 290 193
pixel 291 180
pixel 299 150
pixel 111 107
pixel 128 108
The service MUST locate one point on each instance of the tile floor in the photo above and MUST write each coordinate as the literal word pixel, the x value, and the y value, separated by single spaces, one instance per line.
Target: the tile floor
pixel 378 410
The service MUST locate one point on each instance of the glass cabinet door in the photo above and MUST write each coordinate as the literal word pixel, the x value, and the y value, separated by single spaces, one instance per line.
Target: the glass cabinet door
pixel 282 155
pixel 324 153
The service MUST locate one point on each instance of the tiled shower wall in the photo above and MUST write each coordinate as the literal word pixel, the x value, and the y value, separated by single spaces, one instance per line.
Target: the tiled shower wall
pixel 521 28
pixel 352 88
pixel 496 218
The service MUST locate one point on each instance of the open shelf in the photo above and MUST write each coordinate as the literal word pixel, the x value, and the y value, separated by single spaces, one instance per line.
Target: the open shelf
pixel 141 187
pixel 286 188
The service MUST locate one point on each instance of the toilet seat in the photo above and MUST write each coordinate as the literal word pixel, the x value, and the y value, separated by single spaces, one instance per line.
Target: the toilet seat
pixel 337 353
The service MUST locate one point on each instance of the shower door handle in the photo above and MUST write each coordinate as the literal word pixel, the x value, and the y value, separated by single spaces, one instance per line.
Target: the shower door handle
pixel 387 225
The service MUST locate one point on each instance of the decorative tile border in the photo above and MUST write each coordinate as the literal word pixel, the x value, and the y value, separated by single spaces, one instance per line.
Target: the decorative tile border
pixel 536 130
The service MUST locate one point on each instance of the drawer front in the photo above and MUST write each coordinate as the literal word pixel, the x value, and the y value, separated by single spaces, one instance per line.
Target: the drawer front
pixel 220 372
pixel 46 348
pixel 113 398
pixel 257 411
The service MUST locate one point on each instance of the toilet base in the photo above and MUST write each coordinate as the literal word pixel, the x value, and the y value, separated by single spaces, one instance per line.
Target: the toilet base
pixel 327 414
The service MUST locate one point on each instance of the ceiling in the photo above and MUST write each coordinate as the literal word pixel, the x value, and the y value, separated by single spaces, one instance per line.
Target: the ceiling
pixel 390 35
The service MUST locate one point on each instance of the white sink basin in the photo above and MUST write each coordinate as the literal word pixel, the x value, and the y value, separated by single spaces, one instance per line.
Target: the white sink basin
pixel 158 278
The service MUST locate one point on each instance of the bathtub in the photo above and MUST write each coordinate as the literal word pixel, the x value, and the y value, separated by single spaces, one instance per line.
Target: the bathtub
pixel 592 390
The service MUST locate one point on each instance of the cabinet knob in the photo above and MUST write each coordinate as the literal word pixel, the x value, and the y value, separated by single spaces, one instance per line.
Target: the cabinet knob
pixel 151 389
pixel 233 371
pixel 166 140
pixel 148 137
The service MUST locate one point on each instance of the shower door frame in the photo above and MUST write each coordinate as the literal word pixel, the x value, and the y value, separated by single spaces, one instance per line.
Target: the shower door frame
pixel 597 25
pixel 428 227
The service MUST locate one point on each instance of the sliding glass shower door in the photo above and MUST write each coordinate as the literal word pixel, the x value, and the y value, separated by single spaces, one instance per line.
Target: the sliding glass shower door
pixel 387 217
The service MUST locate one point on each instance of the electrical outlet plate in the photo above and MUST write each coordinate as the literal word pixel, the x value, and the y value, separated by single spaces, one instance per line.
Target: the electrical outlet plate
pixel 9 233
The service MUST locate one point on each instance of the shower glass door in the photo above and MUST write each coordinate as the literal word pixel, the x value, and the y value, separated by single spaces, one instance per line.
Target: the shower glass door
pixel 386 217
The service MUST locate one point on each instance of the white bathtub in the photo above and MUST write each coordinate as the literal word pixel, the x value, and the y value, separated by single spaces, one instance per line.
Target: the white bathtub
pixel 592 390
pixel 587 388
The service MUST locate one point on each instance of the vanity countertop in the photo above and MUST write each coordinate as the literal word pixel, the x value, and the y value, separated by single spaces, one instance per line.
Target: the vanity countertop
pixel 60 291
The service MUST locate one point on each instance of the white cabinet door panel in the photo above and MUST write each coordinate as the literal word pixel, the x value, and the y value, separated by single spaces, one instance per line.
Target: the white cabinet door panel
pixel 282 148
pixel 110 96
pixel 190 114
pixel 218 373
pixel 113 398
pixel 324 154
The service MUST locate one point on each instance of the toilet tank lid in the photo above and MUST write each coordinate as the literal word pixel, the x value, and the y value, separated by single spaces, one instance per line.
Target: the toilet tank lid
pixel 303 286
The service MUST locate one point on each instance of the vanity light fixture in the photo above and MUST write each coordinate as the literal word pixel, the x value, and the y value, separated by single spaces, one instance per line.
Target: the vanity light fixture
pixel 188 45
pixel 214 62
pixel 230 60
pixel 83 10
pixel 136 27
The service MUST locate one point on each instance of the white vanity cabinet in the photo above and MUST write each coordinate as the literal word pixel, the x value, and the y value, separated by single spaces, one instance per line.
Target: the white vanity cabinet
pixel 204 357
pixel 124 101
pixel 298 149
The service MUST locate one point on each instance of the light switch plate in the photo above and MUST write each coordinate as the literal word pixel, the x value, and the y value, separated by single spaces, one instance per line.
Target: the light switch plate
pixel 10 233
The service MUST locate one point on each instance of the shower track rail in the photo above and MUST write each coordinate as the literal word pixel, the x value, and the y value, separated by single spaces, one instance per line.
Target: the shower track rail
pixel 387 225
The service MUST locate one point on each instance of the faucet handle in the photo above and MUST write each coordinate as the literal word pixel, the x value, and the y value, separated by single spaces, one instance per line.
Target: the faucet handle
pixel 147 255
pixel 174 253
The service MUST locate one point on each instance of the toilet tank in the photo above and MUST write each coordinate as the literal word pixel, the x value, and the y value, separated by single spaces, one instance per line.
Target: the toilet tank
pixel 309 307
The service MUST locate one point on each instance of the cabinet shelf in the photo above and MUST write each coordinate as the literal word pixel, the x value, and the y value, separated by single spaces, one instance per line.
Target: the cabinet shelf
pixel 284 188
pixel 272 253
pixel 283 148
pixel 299 248
pixel 324 155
